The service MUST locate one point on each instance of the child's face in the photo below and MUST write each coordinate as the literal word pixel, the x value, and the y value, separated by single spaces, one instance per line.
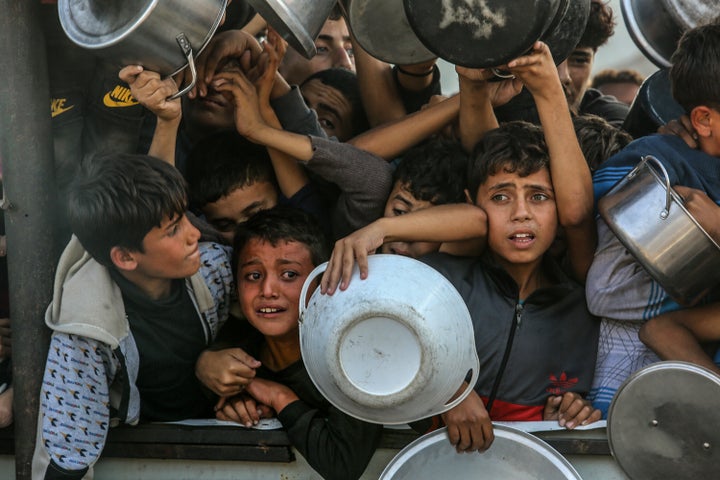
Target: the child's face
pixel 171 251
pixel 333 109
pixel 269 282
pixel 400 202
pixel 239 205
pixel 522 216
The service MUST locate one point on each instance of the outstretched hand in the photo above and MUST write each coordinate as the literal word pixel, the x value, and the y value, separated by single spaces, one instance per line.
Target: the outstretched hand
pixel 537 70
pixel 347 251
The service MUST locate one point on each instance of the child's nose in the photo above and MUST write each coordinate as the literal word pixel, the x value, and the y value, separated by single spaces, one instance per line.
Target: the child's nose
pixel 268 287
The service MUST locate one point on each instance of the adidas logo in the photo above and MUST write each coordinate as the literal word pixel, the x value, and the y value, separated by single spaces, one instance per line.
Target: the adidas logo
pixel 57 106
pixel 119 97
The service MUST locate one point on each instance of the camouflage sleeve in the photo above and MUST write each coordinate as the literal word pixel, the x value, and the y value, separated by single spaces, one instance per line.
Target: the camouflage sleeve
pixel 217 272
pixel 74 402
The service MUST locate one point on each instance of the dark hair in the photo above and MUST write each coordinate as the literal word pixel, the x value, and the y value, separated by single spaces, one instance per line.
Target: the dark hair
pixel 219 164
pixel 117 199
pixel 515 147
pixel 611 75
pixel 336 13
pixel 599 140
pixel 434 172
pixel 283 224
pixel 600 26
pixel 695 71
pixel 346 83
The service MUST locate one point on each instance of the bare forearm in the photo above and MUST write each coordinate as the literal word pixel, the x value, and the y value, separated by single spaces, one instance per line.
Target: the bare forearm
pixel 164 139
pixel 390 140
pixel 476 113
pixel 672 341
pixel 293 144
pixel 569 170
pixel 442 223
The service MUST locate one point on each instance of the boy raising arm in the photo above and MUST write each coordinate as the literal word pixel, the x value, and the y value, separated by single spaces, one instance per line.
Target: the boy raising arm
pixel 522 304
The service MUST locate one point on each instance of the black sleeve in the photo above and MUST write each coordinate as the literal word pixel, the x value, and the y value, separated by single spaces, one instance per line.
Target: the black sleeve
pixel 337 446
pixel 55 472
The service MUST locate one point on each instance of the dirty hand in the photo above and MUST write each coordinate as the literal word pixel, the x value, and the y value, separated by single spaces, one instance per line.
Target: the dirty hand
pixel 681 127
pixel 570 410
pixel 469 426
pixel 348 250
pixel 242 409
pixel 226 372
pixel 152 91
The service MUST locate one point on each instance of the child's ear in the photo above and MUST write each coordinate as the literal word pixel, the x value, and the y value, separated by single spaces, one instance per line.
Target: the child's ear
pixel 468 198
pixel 123 258
pixel 701 119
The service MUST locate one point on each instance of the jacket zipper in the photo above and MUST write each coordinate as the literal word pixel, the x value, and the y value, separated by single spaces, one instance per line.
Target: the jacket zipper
pixel 517 320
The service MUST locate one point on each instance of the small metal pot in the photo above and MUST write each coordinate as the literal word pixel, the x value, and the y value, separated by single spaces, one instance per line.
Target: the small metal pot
pixel 649 218
pixel 161 35
pixel 656 25
pixel 298 21
pixel 382 29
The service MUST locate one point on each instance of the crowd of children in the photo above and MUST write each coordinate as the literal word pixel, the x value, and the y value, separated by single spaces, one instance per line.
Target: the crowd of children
pixel 177 294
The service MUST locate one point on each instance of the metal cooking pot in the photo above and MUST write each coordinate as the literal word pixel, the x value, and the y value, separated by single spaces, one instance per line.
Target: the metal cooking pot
pixel 567 29
pixel 656 25
pixel 382 29
pixel 393 348
pixel 493 32
pixel 653 106
pixel 513 455
pixel 161 35
pixel 298 21
pixel 649 218
pixel 663 421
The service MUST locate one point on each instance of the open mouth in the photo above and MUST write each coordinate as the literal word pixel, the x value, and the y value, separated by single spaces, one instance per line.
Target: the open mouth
pixel 522 238
pixel 270 310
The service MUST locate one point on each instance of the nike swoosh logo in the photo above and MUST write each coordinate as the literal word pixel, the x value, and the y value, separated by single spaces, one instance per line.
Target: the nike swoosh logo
pixel 57 111
pixel 111 102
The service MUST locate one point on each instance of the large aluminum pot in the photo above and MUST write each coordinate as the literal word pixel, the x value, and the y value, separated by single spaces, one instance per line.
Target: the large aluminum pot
pixel 161 35
pixel 662 422
pixel 298 21
pixel 393 348
pixel 656 25
pixel 649 218
pixel 514 454
pixel 382 29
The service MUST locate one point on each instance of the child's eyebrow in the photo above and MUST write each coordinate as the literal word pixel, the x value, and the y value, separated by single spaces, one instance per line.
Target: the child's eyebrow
pixel 400 197
pixel 328 108
pixel 174 221
pixel 252 206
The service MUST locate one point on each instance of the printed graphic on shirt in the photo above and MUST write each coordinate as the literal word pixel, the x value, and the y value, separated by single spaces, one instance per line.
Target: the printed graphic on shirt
pixel 119 97
pixel 561 384
pixel 58 106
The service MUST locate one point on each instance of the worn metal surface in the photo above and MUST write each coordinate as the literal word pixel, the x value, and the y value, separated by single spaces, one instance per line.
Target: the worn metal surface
pixel 26 150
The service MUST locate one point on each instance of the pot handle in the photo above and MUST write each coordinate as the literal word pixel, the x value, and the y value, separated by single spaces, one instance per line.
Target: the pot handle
pixel 668 190
pixel 186 48
pixel 471 383
pixel 303 293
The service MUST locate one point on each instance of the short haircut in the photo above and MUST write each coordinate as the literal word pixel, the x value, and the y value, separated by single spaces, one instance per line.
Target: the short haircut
pixel 346 82
pixel 599 140
pixel 117 199
pixel 283 224
pixel 223 162
pixel 600 26
pixel 695 71
pixel 336 13
pixel 434 171
pixel 515 147
pixel 612 75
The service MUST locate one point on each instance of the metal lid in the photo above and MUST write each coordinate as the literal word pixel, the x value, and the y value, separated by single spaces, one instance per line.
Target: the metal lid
pixel 663 422
pixel 513 455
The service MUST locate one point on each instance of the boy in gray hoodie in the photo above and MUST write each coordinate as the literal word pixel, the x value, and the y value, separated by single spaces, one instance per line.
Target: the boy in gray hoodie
pixel 137 297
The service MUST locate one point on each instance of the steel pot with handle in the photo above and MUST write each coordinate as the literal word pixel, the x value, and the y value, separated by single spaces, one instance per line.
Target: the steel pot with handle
pixel 656 25
pixel 650 220
pixel 161 35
